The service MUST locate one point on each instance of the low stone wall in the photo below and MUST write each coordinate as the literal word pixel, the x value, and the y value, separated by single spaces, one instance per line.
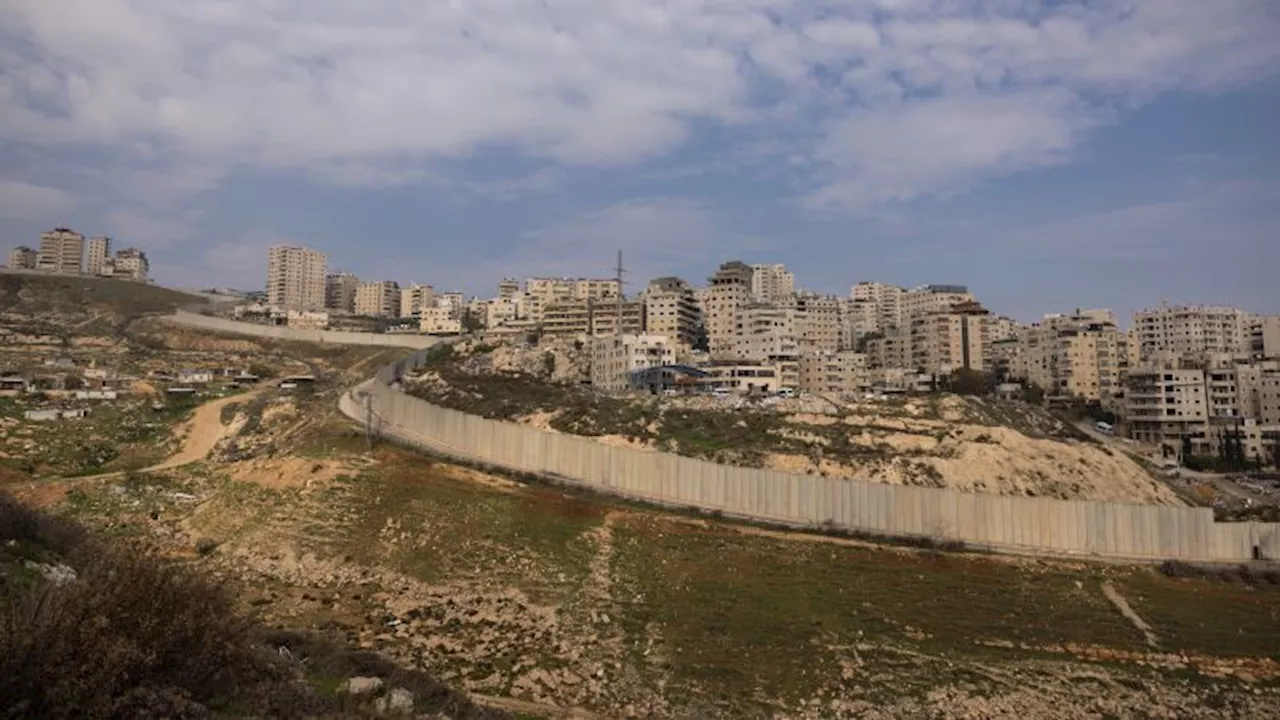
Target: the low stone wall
pixel 1020 524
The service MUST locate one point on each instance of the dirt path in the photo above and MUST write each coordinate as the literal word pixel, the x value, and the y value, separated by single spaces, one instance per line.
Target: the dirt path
pixel 204 429
pixel 1129 613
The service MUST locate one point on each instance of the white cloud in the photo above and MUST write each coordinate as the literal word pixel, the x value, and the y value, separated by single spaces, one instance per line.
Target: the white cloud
pixel 901 98
pixel 24 201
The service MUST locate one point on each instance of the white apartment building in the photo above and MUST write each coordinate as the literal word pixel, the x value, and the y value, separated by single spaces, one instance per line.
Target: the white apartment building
pixel 729 290
pixel 592 318
pixel 453 302
pixel 614 358
pixel 1264 337
pixel 378 298
pixel 819 327
pixel 766 334
pixel 131 264
pixel 296 278
pixel 952 339
pixel 876 305
pixel 1081 355
pixel 61 251
pixel 340 292
pixel 23 258
pixel 415 297
pixel 841 372
pixel 890 349
pixel 438 321
pixel 1166 403
pixel 1192 330
pixel 927 299
pixel 545 291
pixel 98 261
pixel 671 309
pixel 771 283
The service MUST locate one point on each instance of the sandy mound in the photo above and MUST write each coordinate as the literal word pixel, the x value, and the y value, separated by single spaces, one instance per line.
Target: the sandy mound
pixel 290 472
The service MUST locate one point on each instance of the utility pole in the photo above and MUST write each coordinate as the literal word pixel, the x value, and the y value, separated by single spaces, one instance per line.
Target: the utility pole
pixel 620 271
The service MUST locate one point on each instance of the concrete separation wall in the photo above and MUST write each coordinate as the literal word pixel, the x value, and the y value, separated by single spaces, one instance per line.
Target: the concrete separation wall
pixel 277 332
pixel 1022 524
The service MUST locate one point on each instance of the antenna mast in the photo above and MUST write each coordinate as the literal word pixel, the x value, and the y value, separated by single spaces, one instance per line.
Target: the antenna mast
pixel 620 270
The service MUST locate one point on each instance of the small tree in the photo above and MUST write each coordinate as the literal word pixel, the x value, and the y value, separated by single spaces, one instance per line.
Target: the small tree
pixel 1033 394
pixel 966 381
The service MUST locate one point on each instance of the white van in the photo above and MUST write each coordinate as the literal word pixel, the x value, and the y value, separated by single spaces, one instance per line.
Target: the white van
pixel 786 392
pixel 720 392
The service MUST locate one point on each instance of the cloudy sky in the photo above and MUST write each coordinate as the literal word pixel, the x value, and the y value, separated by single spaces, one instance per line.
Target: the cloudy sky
pixel 1049 154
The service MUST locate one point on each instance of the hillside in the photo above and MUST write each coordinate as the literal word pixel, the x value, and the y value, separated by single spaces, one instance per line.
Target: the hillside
pixel 948 441
pixel 53 303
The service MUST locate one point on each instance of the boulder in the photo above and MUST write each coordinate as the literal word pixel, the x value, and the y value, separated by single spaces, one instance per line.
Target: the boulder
pixel 397 702
pixel 361 686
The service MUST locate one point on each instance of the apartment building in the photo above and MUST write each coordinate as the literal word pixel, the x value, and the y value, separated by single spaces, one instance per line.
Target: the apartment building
pixel 771 283
pixel 98 262
pixel 729 290
pixel 927 299
pixel 414 298
pixel 1264 336
pixel 588 317
pixel 743 378
pixel 378 298
pixel 131 264
pixel 891 348
pixel 767 334
pixel 499 311
pixel 877 306
pixel 1080 355
pixel 438 320
pixel 1167 404
pixel 23 258
pixel 671 309
pixel 614 358
pixel 296 278
pixel 948 340
pixel 340 292
pixel 508 288
pixel 819 326
pixel 542 292
pixel 840 372
pixel 1000 327
pixel 1192 330
pixel 61 251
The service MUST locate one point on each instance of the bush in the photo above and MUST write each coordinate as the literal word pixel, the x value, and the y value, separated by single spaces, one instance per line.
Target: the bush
pixel 129 637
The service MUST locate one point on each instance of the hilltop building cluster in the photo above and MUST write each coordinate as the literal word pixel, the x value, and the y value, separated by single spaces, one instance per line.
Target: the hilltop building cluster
pixel 1177 377
pixel 63 251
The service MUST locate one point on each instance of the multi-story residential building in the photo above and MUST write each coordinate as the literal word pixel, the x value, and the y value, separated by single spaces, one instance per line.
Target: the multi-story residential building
pixel 927 299
pixel 23 258
pixel 878 306
pixel 498 311
pixel 542 292
pixel 1258 389
pixel 1081 355
pixel 743 377
pixel 730 290
pixel 891 348
pixel 771 283
pixel 842 372
pixel 591 318
pixel 1166 403
pixel 1192 330
pixel 454 302
pixel 98 261
pixel 414 298
pixel 819 327
pixel 508 288
pixel 614 358
pixel 296 278
pixel 950 339
pixel 671 309
pixel 1000 327
pixel 340 292
pixel 439 320
pixel 1264 336
pixel 61 251
pixel 767 334
pixel 378 298
pixel 130 264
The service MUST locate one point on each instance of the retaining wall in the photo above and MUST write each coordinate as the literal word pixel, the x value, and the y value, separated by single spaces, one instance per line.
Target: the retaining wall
pixel 1034 525
pixel 279 332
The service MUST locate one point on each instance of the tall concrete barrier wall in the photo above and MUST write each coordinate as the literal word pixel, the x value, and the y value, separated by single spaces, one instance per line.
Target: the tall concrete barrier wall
pixel 278 332
pixel 1035 525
